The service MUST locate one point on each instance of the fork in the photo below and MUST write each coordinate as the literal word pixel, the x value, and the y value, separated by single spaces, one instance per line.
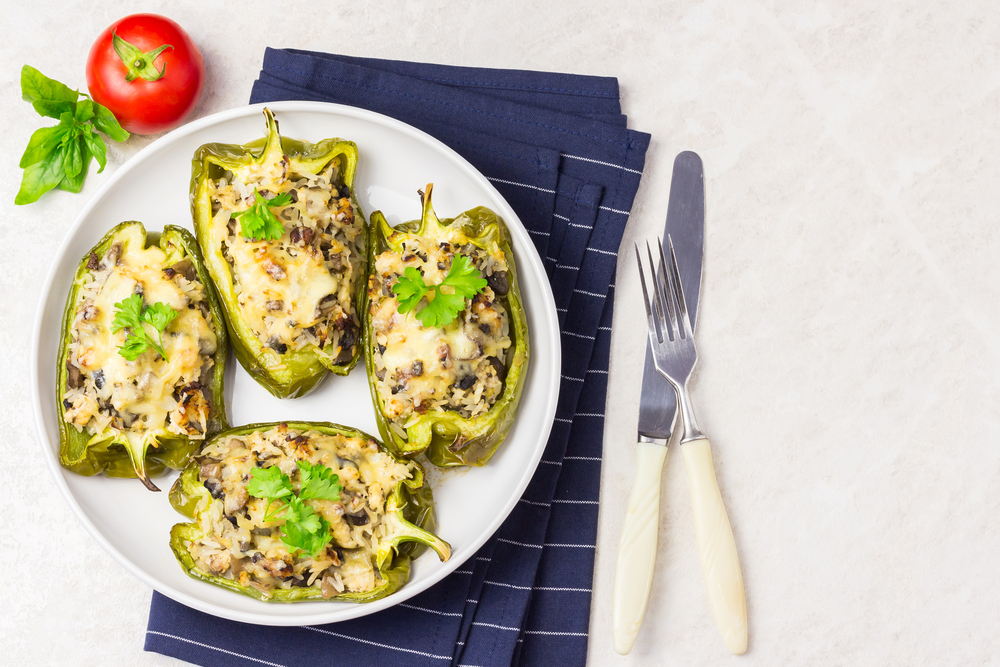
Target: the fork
pixel 672 341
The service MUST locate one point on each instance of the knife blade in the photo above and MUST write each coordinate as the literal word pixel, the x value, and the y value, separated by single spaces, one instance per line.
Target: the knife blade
pixel 686 225
pixel 657 407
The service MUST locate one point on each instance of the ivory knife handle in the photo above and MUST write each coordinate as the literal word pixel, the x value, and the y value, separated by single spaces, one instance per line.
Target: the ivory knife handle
pixel 637 548
pixel 720 564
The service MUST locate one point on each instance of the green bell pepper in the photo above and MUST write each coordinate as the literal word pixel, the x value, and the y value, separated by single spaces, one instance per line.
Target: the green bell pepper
pixel 290 373
pixel 448 438
pixel 409 510
pixel 112 451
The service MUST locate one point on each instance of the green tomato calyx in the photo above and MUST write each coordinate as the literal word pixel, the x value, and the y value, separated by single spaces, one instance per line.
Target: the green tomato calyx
pixel 138 63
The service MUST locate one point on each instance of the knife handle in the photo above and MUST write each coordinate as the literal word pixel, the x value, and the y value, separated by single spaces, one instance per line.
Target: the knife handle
pixel 720 564
pixel 637 549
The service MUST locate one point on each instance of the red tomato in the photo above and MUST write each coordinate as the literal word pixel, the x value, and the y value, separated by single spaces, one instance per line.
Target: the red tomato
pixel 150 77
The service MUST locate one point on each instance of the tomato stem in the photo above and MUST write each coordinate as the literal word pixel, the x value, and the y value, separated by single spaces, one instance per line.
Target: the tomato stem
pixel 137 63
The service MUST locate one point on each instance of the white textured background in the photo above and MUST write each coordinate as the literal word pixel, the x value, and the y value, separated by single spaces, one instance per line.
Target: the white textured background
pixel 849 323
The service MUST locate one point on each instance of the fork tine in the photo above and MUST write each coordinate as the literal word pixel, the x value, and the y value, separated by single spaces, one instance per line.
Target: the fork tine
pixel 653 324
pixel 660 299
pixel 682 304
pixel 667 287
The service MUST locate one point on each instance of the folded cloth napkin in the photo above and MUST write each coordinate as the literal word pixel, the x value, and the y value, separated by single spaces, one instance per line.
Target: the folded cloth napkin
pixel 557 147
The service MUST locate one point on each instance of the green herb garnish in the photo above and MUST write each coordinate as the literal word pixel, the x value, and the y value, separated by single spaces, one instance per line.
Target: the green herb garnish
pixel 318 481
pixel 59 156
pixel 445 300
pixel 304 529
pixel 258 223
pixel 307 530
pixel 131 314
pixel 270 484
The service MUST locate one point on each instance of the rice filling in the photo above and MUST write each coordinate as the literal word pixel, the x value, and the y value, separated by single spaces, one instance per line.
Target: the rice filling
pixel 460 367
pixel 295 291
pixel 107 395
pixel 238 544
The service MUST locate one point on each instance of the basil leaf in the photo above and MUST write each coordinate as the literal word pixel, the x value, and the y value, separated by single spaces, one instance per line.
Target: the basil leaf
pixel 49 97
pixel 106 122
pixel 96 147
pixel 41 177
pixel 72 158
pixel 84 111
pixel 75 183
pixel 52 109
pixel 43 142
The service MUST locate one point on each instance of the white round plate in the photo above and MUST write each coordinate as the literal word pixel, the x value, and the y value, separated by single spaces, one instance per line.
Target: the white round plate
pixel 133 524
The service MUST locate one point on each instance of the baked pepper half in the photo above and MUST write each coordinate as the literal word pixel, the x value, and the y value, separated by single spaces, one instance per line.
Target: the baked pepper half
pixel 293 511
pixel 284 241
pixel 142 357
pixel 446 339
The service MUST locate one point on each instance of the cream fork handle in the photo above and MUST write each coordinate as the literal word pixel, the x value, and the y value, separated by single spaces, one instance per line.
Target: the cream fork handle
pixel 720 564
pixel 637 549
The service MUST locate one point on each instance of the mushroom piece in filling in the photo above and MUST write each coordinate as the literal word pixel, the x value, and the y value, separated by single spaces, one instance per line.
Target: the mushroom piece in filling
pixel 241 544
pixel 109 396
pixel 459 367
pixel 295 291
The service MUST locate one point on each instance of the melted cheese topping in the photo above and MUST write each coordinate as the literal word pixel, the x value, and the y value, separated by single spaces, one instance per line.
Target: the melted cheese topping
pixel 142 390
pixel 304 283
pixel 296 290
pixel 423 367
pixel 240 545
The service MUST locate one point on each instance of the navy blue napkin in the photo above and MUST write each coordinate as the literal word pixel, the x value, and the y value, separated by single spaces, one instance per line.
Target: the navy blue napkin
pixel 557 147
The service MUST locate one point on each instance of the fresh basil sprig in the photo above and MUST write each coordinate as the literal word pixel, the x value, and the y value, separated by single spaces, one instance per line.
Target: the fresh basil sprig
pixel 59 156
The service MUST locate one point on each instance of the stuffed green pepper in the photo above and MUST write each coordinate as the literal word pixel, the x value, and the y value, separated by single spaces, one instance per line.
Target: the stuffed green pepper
pixel 284 241
pixel 142 358
pixel 446 344
pixel 294 511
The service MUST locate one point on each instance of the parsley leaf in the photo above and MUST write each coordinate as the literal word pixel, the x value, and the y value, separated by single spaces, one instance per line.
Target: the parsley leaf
pixel 297 536
pixel 305 516
pixel 131 314
pixel 284 199
pixel 132 348
pixel 269 483
pixel 445 300
pixel 318 481
pixel 159 315
pixel 127 313
pixel 258 223
pixel 304 529
pixel 409 289
pixel 294 509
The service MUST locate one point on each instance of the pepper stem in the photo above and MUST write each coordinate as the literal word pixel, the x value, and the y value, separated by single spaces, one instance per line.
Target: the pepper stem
pixel 273 152
pixel 136 446
pixel 428 211
pixel 137 63
pixel 401 530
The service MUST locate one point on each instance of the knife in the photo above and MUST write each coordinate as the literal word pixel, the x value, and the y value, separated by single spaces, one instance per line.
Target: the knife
pixel 657 408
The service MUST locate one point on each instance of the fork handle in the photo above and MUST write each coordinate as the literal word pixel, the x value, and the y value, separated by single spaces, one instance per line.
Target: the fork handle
pixel 637 549
pixel 720 564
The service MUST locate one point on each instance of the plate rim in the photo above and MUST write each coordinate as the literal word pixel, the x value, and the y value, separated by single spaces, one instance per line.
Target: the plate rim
pixel 341 613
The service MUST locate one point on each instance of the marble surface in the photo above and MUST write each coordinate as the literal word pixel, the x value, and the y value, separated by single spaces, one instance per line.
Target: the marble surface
pixel 848 332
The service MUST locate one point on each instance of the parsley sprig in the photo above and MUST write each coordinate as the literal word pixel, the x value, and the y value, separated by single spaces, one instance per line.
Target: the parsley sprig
pixel 304 529
pixel 444 300
pixel 131 314
pixel 258 223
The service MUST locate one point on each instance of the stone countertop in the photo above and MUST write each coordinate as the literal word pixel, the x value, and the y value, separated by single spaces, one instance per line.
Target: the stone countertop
pixel 848 332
